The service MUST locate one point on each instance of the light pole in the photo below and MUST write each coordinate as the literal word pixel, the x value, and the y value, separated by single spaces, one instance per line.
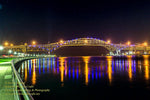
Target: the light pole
pixel 108 44
pixel 128 43
pixel 145 45
pixel 1 48
pixel 61 42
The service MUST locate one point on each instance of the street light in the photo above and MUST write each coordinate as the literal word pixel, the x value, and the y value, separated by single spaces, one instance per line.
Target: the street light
pixel 61 41
pixel 9 51
pixel 85 41
pixel 145 43
pixel 15 52
pixel 108 41
pixel 33 42
pixel 6 43
pixel 1 47
pixel 11 44
pixel 25 44
pixel 128 43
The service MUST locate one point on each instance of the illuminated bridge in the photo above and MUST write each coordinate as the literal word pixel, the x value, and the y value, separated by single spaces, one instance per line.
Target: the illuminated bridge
pixel 114 49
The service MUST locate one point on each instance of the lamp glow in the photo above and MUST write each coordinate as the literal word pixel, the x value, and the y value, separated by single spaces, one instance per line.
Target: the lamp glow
pixel 15 53
pixel 61 41
pixel 108 41
pixel 128 43
pixel 33 42
pixel 1 47
pixel 145 44
pixel 6 43
pixel 85 41
pixel 10 51
pixel 11 44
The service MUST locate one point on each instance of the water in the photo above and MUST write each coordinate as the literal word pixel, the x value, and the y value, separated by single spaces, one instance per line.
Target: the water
pixel 87 78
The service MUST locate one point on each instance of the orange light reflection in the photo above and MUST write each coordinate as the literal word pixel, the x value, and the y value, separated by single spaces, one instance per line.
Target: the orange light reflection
pixel 146 64
pixel 34 72
pixel 86 61
pixel 109 70
pixel 26 72
pixel 62 67
pixel 130 66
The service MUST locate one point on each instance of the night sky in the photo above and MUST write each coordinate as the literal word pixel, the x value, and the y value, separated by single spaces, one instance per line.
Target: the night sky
pixel 51 20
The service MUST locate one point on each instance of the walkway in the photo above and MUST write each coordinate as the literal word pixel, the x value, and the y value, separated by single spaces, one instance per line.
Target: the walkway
pixel 6 85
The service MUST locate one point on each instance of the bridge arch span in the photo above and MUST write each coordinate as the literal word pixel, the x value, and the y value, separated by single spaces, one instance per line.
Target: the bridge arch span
pixel 79 42
pixel 85 42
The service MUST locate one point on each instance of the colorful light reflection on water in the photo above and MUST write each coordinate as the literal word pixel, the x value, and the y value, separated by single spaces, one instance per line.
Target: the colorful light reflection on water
pixel 86 71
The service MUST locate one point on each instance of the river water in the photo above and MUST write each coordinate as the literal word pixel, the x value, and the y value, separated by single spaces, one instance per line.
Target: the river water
pixel 87 78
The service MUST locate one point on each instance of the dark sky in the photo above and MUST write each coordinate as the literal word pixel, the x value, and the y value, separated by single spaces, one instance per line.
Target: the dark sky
pixel 51 20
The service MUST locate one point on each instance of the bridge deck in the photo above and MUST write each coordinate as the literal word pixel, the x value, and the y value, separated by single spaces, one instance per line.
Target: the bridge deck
pixel 6 85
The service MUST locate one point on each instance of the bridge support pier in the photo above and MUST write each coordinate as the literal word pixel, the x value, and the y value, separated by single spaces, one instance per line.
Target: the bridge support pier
pixel 118 52
pixel 111 53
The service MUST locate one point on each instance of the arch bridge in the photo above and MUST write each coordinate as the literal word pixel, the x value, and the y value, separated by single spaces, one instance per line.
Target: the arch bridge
pixel 112 48
pixel 51 47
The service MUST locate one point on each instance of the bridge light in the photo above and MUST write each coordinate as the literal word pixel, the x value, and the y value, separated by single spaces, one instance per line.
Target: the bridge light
pixel 11 44
pixel 33 42
pixel 1 47
pixel 128 43
pixel 61 41
pixel 25 44
pixel 108 41
pixel 6 43
pixel 145 43
pixel 85 41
